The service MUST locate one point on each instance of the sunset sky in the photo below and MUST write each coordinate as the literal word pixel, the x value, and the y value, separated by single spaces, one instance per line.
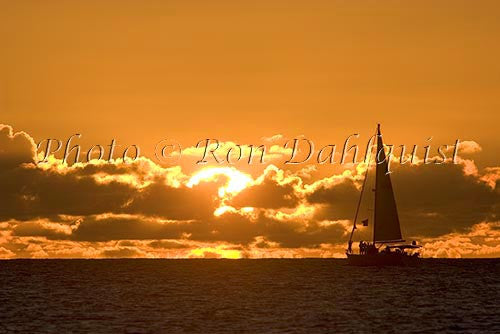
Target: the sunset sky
pixel 244 73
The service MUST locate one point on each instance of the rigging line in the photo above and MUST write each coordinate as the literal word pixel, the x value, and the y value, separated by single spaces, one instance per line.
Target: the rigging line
pixel 361 195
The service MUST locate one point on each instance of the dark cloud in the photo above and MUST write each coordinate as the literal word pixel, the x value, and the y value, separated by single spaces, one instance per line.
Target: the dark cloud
pixel 438 199
pixel 432 199
pixel 15 148
pixel 127 228
pixel 181 203
pixel 167 244
pixel 338 201
pixel 293 234
pixel 40 229
pixel 229 228
pixel 268 194
pixel 32 192
pixel 124 252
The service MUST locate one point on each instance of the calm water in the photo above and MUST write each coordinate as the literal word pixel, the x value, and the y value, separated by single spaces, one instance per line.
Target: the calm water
pixel 247 296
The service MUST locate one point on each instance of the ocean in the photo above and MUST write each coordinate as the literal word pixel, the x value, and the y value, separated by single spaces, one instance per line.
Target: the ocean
pixel 248 296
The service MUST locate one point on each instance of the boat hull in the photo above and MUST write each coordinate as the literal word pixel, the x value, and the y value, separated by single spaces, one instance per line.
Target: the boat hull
pixel 382 259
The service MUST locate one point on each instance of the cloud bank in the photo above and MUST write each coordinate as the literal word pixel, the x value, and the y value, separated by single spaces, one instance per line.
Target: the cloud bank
pixel 140 209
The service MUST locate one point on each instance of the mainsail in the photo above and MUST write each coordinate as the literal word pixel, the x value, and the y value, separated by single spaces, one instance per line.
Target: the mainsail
pixel 386 221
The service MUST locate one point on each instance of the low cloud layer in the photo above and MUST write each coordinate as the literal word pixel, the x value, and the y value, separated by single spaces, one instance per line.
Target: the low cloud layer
pixel 139 209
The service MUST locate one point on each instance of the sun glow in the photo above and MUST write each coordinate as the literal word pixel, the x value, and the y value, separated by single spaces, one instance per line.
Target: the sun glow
pixel 226 208
pixel 237 181
pixel 215 252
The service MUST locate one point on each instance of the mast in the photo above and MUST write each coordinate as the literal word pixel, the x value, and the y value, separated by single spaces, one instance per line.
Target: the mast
pixel 379 140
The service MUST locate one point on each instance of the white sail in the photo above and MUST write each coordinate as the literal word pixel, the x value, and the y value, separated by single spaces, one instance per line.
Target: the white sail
pixel 386 221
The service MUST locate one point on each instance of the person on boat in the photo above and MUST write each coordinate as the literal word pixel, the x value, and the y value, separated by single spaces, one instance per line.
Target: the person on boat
pixel 361 247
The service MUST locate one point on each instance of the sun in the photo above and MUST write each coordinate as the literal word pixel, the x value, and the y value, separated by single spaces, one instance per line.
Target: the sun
pixel 216 252
pixel 237 181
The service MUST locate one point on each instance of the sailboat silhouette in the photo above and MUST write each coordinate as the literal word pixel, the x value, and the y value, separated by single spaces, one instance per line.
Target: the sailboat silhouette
pixel 386 227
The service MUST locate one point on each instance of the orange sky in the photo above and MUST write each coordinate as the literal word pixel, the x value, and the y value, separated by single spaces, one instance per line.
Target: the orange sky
pixel 143 71
pixel 140 71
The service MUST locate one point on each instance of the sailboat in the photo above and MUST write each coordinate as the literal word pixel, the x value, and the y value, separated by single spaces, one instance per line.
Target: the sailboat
pixel 388 246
